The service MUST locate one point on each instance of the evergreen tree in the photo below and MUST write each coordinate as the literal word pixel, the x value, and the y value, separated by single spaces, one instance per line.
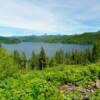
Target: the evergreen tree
pixel 42 59
pixel 60 56
pixel 23 61
pixel 83 58
pixel 95 52
pixel 33 60
pixel 68 58
pixel 16 57
pixel 0 45
pixel 52 62
pixel 77 57
pixel 73 57
pixel 88 55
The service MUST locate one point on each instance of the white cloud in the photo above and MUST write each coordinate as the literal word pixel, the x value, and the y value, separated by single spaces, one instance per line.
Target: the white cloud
pixel 65 16
pixel 25 15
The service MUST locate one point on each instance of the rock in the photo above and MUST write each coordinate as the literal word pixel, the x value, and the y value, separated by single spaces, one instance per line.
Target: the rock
pixel 71 88
pixel 92 84
pixel 98 84
pixel 83 90
pixel 63 88
pixel 89 87
pixel 66 88
pixel 70 84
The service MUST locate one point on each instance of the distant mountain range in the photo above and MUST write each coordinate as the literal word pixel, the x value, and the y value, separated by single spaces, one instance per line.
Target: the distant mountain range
pixel 84 38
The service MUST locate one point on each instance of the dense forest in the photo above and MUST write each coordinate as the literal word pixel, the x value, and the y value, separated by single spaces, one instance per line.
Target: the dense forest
pixel 9 40
pixel 64 76
pixel 85 38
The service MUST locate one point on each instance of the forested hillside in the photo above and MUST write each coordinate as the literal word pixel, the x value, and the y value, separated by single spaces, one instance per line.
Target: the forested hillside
pixel 8 40
pixel 85 38
pixel 77 39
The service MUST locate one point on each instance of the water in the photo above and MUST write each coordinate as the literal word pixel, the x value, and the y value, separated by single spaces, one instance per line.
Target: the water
pixel 50 48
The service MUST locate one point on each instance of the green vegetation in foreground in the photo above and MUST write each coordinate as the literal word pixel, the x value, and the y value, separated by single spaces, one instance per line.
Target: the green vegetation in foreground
pixel 41 78
pixel 44 85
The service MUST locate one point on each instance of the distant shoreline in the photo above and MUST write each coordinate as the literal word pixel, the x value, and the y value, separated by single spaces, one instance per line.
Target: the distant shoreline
pixel 86 38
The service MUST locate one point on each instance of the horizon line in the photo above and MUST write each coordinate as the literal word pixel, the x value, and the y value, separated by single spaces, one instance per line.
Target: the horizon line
pixel 26 35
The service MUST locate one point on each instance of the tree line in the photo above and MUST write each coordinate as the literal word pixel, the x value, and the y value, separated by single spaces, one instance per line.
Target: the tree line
pixel 85 38
pixel 41 60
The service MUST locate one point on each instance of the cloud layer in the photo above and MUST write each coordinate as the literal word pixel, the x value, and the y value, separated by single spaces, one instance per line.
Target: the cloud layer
pixel 49 16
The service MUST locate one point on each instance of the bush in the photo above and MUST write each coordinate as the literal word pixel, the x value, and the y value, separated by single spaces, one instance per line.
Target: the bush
pixel 7 66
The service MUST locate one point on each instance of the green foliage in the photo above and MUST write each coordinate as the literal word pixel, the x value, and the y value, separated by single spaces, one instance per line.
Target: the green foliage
pixel 42 59
pixel 9 40
pixel 16 57
pixel 52 62
pixel 7 66
pixel 96 52
pixel 33 61
pixel 85 38
pixel 66 68
pixel 23 60
pixel 59 56
pixel 43 85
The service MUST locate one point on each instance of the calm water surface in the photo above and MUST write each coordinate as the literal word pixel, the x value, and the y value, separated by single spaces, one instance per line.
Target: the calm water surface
pixel 50 48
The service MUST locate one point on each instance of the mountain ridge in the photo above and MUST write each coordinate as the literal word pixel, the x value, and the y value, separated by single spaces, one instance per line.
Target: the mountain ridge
pixel 85 38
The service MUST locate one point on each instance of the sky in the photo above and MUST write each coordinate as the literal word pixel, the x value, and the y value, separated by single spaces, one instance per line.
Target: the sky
pixel 37 17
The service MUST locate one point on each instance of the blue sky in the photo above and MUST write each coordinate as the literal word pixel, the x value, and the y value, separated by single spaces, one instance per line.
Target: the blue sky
pixel 27 17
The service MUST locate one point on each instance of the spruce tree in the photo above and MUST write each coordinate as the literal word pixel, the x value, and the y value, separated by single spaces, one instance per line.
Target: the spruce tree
pixel 23 60
pixel 42 59
pixel 60 56
pixel 16 57
pixel 73 57
pixel 0 45
pixel 68 58
pixel 95 52
pixel 52 62
pixel 33 61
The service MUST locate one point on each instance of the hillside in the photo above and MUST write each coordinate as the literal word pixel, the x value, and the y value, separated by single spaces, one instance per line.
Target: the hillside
pixel 85 38
pixel 8 40
pixel 77 39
